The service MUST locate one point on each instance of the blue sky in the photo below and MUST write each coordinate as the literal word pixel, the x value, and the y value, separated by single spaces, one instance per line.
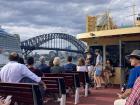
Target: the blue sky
pixel 34 17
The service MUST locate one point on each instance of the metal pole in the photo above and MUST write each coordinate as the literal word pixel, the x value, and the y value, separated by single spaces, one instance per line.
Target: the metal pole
pixel 104 55
pixel 134 12
pixel 120 60
pixel 120 53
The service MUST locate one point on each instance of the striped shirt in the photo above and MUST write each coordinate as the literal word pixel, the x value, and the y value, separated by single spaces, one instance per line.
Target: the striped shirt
pixel 134 98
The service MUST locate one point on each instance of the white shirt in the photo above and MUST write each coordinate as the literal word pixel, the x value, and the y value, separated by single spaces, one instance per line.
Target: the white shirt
pixel 13 72
pixel 99 60
pixel 90 68
pixel 82 68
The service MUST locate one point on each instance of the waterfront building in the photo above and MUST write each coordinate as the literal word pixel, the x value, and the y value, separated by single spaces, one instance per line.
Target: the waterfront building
pixel 8 43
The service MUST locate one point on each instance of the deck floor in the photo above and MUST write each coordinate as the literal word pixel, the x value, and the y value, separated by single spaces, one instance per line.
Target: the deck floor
pixel 97 97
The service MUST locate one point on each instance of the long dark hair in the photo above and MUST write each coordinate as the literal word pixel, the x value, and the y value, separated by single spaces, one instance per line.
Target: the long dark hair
pixel 21 60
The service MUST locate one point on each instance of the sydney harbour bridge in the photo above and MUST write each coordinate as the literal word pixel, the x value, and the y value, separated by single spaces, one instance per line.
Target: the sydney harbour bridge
pixel 53 41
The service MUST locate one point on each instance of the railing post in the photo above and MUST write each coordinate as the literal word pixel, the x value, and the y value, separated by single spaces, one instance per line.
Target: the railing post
pixel 86 90
pixel 63 99
pixel 77 96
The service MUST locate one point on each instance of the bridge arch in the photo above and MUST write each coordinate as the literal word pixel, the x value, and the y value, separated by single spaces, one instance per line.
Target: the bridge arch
pixel 35 43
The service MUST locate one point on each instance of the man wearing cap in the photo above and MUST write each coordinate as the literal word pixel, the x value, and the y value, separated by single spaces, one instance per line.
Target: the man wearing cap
pixel 134 98
pixel 134 74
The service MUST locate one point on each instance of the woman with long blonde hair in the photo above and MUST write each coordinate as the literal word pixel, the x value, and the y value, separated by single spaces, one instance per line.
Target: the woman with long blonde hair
pixel 81 65
pixel 56 66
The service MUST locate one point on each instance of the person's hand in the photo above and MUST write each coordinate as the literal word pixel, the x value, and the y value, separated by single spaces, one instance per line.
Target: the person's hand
pixel 45 87
pixel 3 102
pixel 7 102
pixel 119 95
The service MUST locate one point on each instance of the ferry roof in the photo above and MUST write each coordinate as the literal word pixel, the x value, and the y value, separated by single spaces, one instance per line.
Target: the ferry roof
pixel 109 33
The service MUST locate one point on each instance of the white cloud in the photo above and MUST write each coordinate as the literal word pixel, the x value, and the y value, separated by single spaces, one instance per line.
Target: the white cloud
pixel 34 17
pixel 28 32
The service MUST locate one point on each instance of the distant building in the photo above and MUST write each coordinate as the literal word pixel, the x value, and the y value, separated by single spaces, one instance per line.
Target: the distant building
pixel 8 44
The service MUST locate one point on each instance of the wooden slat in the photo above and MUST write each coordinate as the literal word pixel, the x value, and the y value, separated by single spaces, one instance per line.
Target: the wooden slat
pixel 54 84
pixel 20 92
pixel 68 77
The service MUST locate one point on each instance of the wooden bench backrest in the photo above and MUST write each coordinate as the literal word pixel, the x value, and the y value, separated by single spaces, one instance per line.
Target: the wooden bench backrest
pixel 55 84
pixel 28 94
pixel 84 78
pixel 71 79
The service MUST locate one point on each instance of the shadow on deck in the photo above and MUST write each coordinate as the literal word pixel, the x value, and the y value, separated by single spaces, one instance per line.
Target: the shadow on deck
pixel 97 97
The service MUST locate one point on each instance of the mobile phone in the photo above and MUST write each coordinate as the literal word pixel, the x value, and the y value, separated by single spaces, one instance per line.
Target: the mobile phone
pixel 8 98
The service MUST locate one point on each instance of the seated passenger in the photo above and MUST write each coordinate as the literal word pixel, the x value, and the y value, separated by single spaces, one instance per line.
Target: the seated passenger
pixel 51 63
pixel 107 72
pixel 134 74
pixel 91 71
pixel 90 68
pixel 69 67
pixel 14 72
pixel 21 60
pixel 30 65
pixel 56 68
pixel 42 66
pixel 81 65
pixel 134 98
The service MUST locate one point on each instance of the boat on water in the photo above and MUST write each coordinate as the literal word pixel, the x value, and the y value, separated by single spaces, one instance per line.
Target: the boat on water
pixel 8 43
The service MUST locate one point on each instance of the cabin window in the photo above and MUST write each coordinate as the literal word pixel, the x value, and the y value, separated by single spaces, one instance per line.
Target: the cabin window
pixel 127 48
pixel 112 53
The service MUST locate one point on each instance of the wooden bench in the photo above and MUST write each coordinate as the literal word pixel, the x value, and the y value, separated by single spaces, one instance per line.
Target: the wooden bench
pixel 56 85
pixel 71 81
pixel 84 80
pixel 25 94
